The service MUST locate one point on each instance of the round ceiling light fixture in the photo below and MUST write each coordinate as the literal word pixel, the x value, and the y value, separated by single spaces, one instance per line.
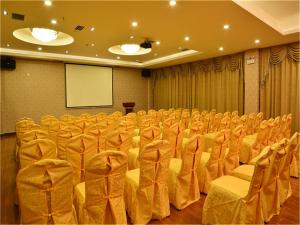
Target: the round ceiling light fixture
pixel 129 49
pixel 43 36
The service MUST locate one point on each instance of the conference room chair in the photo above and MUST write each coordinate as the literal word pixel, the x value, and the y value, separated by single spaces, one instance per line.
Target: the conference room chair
pixel 67 118
pixel 45 190
pixel 79 149
pixel 232 200
pixel 295 165
pixel 118 139
pixel 100 199
pixel 36 150
pixel 211 164
pixel 183 181
pixel 147 135
pixel 146 188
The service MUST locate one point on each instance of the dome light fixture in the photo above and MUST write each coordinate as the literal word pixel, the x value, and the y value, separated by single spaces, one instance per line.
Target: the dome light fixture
pixel 130 48
pixel 44 35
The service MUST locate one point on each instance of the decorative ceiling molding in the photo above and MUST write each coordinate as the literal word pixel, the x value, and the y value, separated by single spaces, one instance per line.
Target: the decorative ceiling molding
pixel 284 27
pixel 94 60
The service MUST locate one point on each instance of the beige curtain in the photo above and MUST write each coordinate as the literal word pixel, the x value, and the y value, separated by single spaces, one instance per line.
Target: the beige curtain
pixel 209 84
pixel 279 82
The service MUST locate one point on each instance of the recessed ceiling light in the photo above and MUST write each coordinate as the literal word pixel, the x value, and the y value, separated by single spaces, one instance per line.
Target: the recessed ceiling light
pixel 137 60
pixel 53 21
pixel 40 48
pixel 130 48
pixel 67 52
pixel 226 26
pixel 155 54
pixel 92 29
pixel 187 38
pixel 221 48
pixel 5 13
pixel 43 34
pixel 179 48
pixel 157 42
pixel 7 45
pixel 257 41
pixel 134 24
pixel 131 37
pixel 92 44
pixel 118 57
pixel 172 2
pixel 48 2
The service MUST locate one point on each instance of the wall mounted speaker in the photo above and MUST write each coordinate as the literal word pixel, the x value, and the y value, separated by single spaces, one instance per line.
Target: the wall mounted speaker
pixel 146 73
pixel 8 63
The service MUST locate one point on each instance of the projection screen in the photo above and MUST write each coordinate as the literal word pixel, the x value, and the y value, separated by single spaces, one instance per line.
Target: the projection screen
pixel 88 86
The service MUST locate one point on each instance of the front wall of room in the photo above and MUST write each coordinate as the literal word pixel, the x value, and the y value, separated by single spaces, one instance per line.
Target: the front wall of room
pixel 37 88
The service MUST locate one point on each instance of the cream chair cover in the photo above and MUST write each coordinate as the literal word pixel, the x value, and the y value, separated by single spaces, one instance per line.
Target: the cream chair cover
pixel 99 130
pixel 286 168
pixel 196 128
pixel 216 121
pixel 36 150
pixel 167 123
pixel 141 113
pixel 82 123
pixel 185 119
pixel 79 150
pixel 183 182
pixel 46 193
pixel 68 118
pixel 100 199
pixel 235 142
pixel 175 138
pixel 33 135
pixel 287 132
pixel 225 123
pixel 211 165
pixel 295 165
pixel 231 200
pixel 146 188
pixel 147 136
pixel 52 126
pixel 63 136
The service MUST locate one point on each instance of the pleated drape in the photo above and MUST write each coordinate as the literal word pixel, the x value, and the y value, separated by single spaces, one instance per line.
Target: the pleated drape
pixel 280 81
pixel 209 84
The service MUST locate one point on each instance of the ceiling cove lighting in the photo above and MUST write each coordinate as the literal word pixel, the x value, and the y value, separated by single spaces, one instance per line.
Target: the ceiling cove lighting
pixel 221 48
pixel 44 35
pixel 172 2
pixel 48 2
pixel 257 41
pixel 130 48
pixel 226 26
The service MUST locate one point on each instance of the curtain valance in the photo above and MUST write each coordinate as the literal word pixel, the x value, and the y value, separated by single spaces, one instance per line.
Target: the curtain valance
pixel 279 53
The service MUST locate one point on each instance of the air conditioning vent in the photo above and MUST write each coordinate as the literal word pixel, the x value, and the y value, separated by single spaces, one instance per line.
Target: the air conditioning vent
pixel 184 49
pixel 17 16
pixel 79 27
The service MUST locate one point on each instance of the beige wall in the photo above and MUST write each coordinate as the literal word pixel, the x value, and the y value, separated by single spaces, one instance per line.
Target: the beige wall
pixel 251 101
pixel 37 88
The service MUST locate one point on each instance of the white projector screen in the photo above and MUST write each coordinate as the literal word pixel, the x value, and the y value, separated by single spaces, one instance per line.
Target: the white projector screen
pixel 88 86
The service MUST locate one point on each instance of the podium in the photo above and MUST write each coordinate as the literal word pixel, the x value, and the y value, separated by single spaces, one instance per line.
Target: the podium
pixel 128 107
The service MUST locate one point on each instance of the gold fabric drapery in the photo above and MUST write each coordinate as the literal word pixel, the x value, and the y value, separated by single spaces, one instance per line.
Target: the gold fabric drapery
pixel 280 81
pixel 209 84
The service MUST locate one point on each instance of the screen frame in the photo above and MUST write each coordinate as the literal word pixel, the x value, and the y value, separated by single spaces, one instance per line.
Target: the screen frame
pixel 89 107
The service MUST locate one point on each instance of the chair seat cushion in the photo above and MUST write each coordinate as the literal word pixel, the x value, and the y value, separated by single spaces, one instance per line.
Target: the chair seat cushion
pixel 244 172
pixel 133 178
pixel 245 152
pixel 136 132
pixel 136 141
pixel 133 155
pixel 175 165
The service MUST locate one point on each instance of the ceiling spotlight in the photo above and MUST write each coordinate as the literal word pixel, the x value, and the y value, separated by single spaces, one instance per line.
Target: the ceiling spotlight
pixel 257 41
pixel 96 55
pixel 155 54
pixel 92 44
pixel 179 48
pixel 134 24
pixel 53 21
pixel 48 2
pixel 172 2
pixel 67 52
pixel 131 37
pixel 157 42
pixel 5 13
pixel 40 48
pixel 226 26
pixel 130 48
pixel 92 29
pixel 7 45
pixel 221 48
pixel 186 38
pixel 118 57
pixel 44 35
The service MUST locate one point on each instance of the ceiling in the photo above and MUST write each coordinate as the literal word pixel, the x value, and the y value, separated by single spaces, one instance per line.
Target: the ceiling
pixel 272 22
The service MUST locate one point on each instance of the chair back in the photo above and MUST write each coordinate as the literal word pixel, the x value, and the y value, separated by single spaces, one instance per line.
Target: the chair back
pixel 118 140
pixel 33 135
pixel 63 136
pixel 196 128
pixel 148 135
pixel 45 191
pixel 36 150
pixel 104 188
pixel 79 149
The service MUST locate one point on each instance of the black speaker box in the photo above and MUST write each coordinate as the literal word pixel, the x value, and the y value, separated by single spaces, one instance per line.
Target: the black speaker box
pixel 8 63
pixel 146 73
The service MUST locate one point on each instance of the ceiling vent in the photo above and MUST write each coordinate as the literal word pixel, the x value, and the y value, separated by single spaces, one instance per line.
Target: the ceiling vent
pixel 79 27
pixel 17 16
